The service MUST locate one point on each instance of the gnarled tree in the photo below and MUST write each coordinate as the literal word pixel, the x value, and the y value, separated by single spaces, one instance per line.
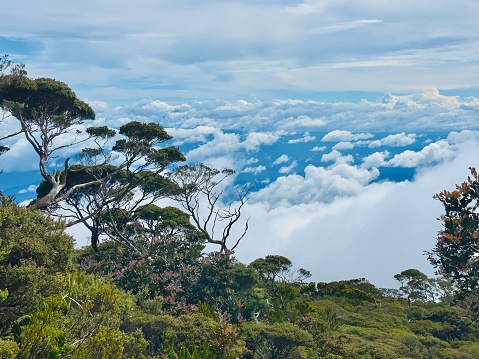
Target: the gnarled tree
pixel 96 190
pixel 201 194
pixel 46 110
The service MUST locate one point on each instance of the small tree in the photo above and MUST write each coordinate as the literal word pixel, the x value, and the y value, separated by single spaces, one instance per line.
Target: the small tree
pixel 279 281
pixel 414 284
pixel 96 192
pixel 201 196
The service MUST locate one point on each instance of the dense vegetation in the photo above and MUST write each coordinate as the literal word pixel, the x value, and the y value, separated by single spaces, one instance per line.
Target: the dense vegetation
pixel 146 287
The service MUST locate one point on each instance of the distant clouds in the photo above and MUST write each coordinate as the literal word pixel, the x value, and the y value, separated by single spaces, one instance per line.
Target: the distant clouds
pixel 227 131
pixel 343 135
pixel 343 121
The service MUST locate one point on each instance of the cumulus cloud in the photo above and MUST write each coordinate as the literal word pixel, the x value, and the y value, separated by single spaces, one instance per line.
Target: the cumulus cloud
pixel 319 148
pixel 343 146
pixel 395 140
pixel 191 135
pixel 281 159
pixel 255 140
pixel 345 121
pixel 255 170
pixel 374 144
pixel 318 184
pixel 432 153
pixel 288 169
pixel 376 159
pixel 399 140
pixel 229 147
pixel 336 157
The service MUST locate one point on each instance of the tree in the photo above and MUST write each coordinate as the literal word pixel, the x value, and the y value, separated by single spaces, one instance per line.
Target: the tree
pixel 46 110
pixel 279 280
pixel 456 254
pixel 414 284
pixel 201 194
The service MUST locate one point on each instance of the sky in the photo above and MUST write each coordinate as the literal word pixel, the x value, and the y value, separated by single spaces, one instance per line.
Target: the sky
pixel 348 116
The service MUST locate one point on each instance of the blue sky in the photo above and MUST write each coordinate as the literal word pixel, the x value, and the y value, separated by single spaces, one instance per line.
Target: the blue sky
pixel 118 51
pixel 347 115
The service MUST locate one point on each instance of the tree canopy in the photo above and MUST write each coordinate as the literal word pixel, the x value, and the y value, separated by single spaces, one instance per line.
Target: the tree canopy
pixel 457 248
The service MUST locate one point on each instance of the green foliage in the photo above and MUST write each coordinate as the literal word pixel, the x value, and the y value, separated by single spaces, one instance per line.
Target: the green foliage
pixel 8 349
pixel 42 99
pixel 166 261
pixel 167 333
pixel 35 248
pixel 414 284
pixel 84 322
pixel 194 353
pixel 274 341
pixel 455 253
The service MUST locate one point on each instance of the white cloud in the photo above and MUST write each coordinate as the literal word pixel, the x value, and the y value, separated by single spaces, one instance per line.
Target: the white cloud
pixel 432 153
pixel 274 117
pixel 206 50
pixel 343 135
pixel 318 185
pixel 288 169
pixel 258 139
pixel 399 140
pixel 343 26
pixel 191 135
pixel 336 157
pixel 343 146
pixel 31 188
pixel 228 147
pixel 255 170
pixel 319 149
pixel 374 144
pixel 281 159
pixel 376 159
pixel 305 139
pixel 251 161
